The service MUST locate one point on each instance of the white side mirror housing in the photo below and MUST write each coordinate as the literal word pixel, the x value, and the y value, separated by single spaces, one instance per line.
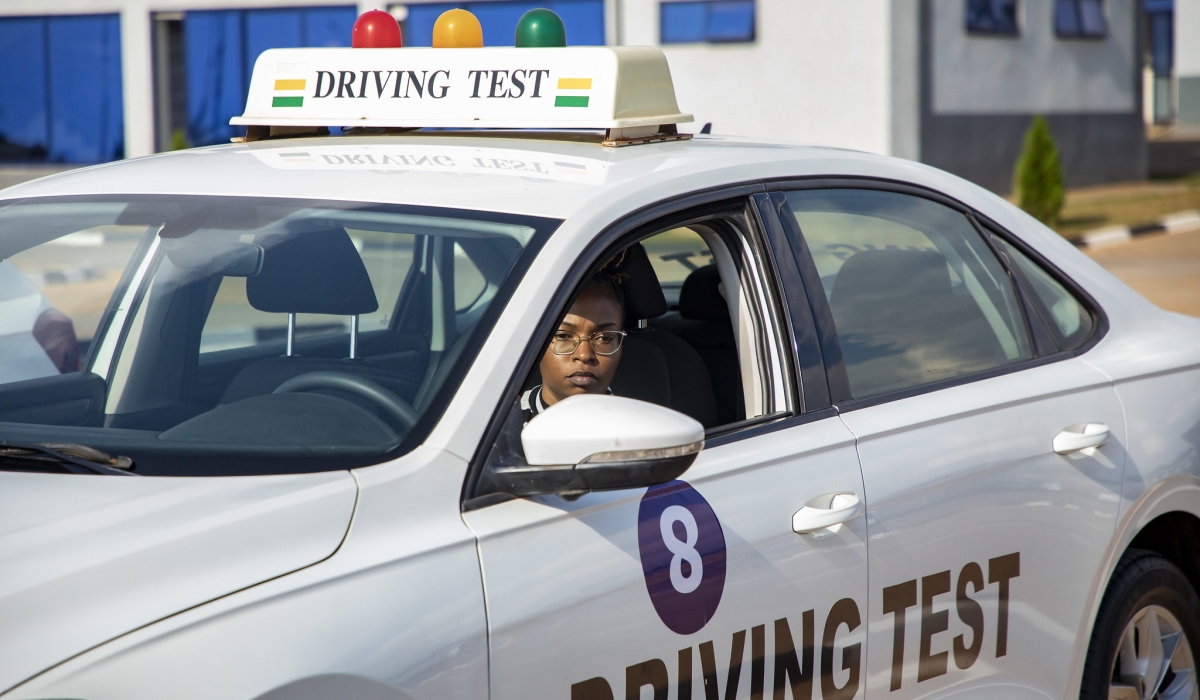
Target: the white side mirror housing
pixel 599 442
pixel 580 428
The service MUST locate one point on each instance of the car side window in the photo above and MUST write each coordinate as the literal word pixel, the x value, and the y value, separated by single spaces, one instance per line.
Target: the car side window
pixel 1068 315
pixel 916 294
pixel 701 335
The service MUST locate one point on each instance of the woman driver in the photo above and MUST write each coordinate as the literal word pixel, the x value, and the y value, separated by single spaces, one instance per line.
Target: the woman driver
pixel 582 355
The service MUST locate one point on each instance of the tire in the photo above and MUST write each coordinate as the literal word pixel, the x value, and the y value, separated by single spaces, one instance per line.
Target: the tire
pixel 1147 597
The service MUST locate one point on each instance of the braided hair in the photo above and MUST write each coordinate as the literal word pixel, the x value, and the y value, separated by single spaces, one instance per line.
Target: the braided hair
pixel 607 280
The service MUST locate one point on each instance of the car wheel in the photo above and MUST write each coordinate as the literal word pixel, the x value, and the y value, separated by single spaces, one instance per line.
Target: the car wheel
pixel 1146 633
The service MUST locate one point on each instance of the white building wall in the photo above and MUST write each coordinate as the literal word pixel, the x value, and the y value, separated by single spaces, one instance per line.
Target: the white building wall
pixel 1187 38
pixel 819 72
pixel 1035 72
pixel 1187 60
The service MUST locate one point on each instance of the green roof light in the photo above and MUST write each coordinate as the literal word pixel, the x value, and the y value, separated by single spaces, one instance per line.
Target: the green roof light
pixel 541 28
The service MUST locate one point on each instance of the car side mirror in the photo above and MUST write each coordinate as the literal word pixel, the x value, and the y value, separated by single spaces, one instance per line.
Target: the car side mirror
pixel 601 443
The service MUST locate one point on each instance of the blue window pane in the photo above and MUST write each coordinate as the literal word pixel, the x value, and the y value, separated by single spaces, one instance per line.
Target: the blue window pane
pixel 1161 40
pixel 1066 18
pixel 499 20
pixel 419 25
pixel 24 124
pixel 1091 16
pixel 222 46
pixel 731 20
pixel 86 113
pixel 269 29
pixel 584 20
pixel 992 16
pixel 214 74
pixel 329 26
pixel 1080 18
pixel 683 22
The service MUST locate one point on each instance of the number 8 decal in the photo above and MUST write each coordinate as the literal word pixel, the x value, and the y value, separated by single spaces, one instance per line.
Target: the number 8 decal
pixel 682 550
pixel 683 555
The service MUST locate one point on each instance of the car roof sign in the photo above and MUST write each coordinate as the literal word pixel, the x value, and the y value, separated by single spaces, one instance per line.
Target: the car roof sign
pixel 614 88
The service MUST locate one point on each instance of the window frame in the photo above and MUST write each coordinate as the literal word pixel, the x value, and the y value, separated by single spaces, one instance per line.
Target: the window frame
pixel 1032 308
pixel 707 205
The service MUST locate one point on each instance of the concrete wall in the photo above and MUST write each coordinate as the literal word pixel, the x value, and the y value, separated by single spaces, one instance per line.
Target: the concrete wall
pixel 980 93
pixel 819 72
pixel 1034 72
pixel 1187 60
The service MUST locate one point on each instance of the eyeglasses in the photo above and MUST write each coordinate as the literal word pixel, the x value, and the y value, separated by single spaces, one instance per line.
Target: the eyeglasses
pixel 603 342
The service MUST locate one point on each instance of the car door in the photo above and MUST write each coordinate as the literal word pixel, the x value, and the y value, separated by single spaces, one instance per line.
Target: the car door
pixel 989 503
pixel 700 587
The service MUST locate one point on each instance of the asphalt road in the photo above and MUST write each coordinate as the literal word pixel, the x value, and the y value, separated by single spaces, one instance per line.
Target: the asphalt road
pixel 1163 268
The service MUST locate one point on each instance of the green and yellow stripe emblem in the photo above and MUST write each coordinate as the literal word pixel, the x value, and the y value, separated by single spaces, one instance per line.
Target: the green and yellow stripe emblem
pixel 573 85
pixel 286 85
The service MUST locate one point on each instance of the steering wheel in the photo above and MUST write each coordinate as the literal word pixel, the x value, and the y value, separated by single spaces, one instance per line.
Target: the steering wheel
pixel 391 404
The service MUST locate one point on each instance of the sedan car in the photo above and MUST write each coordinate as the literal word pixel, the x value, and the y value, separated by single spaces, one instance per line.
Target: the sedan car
pixel 874 432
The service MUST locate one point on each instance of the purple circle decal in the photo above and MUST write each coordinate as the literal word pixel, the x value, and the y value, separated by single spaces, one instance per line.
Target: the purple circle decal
pixel 683 555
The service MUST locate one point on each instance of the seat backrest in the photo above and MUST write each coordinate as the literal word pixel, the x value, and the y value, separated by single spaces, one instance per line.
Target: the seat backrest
pixel 314 272
pixel 311 272
pixel 704 324
pixel 650 355
pixel 900 322
pixel 700 299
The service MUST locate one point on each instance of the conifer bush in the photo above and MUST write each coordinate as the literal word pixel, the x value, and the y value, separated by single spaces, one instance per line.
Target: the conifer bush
pixel 1038 177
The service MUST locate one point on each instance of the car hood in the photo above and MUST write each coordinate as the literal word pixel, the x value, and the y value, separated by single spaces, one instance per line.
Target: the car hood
pixel 87 558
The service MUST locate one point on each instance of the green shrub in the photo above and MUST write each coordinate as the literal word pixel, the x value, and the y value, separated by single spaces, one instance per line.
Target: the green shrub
pixel 1038 177
pixel 179 140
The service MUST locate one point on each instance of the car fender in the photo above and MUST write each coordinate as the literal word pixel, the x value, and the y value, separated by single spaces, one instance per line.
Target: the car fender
pixel 1179 493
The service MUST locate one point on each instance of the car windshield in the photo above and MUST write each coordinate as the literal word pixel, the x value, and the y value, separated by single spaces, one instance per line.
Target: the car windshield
pixel 240 335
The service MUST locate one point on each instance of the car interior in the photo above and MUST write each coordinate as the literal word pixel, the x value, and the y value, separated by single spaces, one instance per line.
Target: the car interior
pixel 682 350
pixel 309 341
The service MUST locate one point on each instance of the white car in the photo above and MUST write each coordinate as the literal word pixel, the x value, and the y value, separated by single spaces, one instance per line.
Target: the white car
pixel 943 453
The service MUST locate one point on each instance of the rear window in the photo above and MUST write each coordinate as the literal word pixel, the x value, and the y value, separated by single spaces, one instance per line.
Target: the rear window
pixel 237 335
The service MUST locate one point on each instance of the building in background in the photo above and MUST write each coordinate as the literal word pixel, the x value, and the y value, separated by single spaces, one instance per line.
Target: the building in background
pixel 952 83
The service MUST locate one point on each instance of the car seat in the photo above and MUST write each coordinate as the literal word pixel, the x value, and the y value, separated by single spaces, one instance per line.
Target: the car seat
pixel 901 324
pixel 315 272
pixel 703 322
pixel 656 365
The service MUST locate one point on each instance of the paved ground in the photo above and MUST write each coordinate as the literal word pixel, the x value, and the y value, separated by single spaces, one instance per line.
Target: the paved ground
pixel 1164 269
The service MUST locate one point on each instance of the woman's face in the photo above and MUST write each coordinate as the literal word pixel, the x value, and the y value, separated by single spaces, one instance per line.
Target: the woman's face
pixel 583 371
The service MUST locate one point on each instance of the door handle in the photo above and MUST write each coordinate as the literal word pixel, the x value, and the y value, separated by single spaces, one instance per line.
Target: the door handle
pixel 1084 437
pixel 827 511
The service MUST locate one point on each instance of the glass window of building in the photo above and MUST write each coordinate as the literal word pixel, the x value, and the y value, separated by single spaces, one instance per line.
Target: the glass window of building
pixel 61 100
pixel 1080 19
pixel 222 45
pixel 712 21
pixel 994 17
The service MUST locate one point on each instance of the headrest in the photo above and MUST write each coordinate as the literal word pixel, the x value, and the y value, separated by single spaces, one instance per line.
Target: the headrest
pixel 313 272
pixel 643 294
pixel 700 299
pixel 884 273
